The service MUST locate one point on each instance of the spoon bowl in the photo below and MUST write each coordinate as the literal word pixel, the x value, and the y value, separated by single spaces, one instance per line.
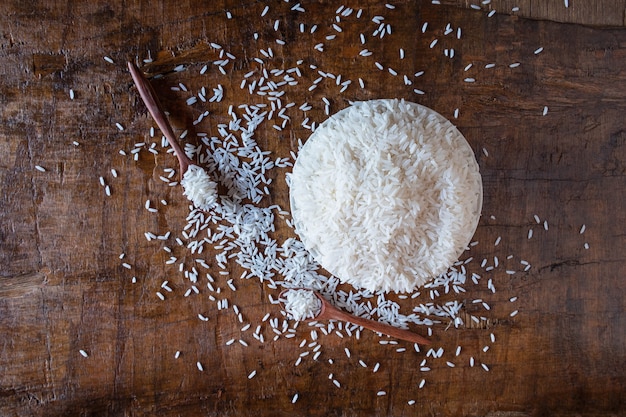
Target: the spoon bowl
pixel 328 311
pixel 198 186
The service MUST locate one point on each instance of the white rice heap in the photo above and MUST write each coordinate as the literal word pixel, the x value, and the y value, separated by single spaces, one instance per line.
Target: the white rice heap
pixel 199 188
pixel 386 195
pixel 301 304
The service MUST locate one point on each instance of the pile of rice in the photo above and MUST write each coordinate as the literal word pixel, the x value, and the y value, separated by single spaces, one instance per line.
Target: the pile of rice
pixel 301 304
pixel 199 188
pixel 386 195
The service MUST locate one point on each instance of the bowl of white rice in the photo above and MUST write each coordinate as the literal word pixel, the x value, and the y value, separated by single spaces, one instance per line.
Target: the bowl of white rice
pixel 386 195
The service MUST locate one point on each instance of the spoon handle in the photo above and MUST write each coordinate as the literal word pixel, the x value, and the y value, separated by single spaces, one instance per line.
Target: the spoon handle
pixel 153 105
pixel 332 312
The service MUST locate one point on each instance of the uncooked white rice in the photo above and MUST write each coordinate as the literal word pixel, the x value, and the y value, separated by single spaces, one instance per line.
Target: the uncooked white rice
pixel 244 229
pixel 199 188
pixel 301 304
pixel 386 195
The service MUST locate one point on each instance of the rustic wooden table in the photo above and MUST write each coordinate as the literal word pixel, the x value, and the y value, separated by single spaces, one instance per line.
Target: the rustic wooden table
pixel 549 135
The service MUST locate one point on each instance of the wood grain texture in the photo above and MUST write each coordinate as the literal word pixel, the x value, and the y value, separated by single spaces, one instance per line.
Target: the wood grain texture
pixel 590 13
pixel 63 287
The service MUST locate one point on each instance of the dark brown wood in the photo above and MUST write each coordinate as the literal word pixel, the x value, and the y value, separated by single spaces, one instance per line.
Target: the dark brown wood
pixel 63 288
pixel 591 13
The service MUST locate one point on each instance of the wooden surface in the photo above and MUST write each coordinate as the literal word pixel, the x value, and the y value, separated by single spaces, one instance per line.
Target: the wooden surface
pixel 63 287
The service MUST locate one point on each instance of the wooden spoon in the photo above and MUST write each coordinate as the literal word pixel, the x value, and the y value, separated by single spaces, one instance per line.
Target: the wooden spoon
pixel 153 104
pixel 330 312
